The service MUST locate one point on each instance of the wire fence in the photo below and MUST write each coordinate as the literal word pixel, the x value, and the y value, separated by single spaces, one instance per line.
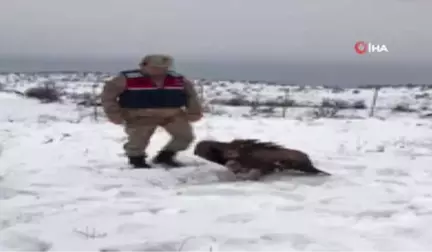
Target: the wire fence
pixel 261 106
pixel 258 99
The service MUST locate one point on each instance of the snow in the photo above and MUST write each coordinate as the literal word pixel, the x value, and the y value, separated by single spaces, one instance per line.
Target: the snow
pixel 75 84
pixel 65 186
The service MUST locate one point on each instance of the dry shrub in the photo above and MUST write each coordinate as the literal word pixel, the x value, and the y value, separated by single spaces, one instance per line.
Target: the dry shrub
pixel 44 94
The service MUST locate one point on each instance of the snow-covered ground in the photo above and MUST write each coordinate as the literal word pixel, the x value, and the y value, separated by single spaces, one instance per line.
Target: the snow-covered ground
pixel 65 186
pixel 223 91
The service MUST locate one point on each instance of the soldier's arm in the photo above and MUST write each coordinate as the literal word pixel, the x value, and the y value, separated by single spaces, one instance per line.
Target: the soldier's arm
pixel 194 105
pixel 110 93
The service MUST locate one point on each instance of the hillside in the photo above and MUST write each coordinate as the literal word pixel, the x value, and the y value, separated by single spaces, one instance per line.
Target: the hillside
pixel 248 98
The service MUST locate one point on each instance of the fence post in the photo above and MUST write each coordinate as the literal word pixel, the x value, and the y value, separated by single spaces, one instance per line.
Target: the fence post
pixel 375 97
pixel 201 85
pixel 207 107
pixel 94 101
pixel 255 103
pixel 285 102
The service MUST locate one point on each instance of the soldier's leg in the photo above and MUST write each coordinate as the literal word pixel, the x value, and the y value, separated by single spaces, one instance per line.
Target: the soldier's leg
pixel 182 136
pixel 138 132
pixel 181 133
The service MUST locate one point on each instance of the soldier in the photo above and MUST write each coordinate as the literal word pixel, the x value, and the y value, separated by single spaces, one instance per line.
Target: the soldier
pixel 149 97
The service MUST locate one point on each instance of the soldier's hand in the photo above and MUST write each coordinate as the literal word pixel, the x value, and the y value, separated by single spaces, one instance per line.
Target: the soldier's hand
pixel 116 120
pixel 194 117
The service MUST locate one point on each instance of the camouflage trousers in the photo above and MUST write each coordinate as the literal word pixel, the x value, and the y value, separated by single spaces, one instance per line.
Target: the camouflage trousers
pixel 140 129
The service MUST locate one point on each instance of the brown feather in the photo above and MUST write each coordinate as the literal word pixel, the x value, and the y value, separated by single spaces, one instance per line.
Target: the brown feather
pixel 268 157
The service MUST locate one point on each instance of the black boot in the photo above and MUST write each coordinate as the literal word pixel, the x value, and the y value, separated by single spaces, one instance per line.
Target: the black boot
pixel 166 157
pixel 138 162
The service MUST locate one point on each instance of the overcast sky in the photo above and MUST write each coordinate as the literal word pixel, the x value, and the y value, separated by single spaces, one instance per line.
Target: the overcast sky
pixel 219 29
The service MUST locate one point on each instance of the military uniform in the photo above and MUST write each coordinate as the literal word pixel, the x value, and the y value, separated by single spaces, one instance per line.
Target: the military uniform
pixel 142 104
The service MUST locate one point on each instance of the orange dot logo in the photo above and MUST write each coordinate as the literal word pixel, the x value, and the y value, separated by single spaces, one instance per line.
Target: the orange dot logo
pixel 360 47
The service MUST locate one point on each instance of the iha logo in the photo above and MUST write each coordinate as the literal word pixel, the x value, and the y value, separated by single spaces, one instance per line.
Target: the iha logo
pixel 362 47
